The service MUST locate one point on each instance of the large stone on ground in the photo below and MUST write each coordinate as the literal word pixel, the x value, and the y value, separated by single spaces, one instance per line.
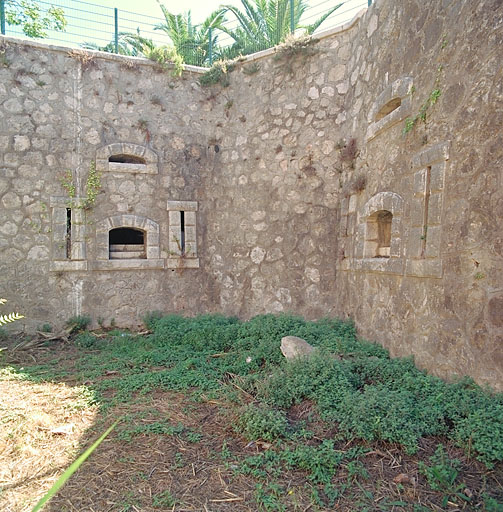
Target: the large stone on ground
pixel 292 347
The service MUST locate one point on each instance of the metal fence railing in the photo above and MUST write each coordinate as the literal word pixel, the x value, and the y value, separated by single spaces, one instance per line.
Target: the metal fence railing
pixel 94 26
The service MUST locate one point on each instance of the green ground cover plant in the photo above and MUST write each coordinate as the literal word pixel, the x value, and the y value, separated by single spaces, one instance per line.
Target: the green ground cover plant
pixel 322 417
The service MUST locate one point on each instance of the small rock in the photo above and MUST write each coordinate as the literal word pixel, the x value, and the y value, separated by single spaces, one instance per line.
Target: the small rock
pixel 402 478
pixel 292 346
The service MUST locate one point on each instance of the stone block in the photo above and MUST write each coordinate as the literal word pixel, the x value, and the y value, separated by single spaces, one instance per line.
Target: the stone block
pixel 182 206
pixel 153 239
pixel 415 242
pixel 78 250
pixel 68 266
pixel 437 177
pixel 153 252
pixel 179 263
pixel 190 249
pixel 190 218
pixel 429 156
pixel 424 268
pixel 420 182
pixel 139 264
pixel 174 218
pixel 78 232
pixel 395 247
pixel 435 209
pixel 78 216
pixel 59 250
pixel 353 201
pixel 59 216
pixel 433 240
pixel 190 233
pixel 416 211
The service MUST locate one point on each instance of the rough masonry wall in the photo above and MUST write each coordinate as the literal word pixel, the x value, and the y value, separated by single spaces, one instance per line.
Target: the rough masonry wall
pixel 281 178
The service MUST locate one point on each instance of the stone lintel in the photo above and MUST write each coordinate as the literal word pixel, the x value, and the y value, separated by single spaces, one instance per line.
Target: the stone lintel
pixel 187 206
pixel 429 156
pixel 67 266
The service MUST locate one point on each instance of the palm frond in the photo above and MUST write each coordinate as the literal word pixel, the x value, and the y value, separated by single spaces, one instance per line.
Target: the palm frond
pixel 313 26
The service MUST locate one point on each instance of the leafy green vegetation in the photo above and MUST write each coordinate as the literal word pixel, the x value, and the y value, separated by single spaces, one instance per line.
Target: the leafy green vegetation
pixel 34 19
pixel 322 417
pixel 352 383
pixel 78 323
pixel 191 42
pixel 262 25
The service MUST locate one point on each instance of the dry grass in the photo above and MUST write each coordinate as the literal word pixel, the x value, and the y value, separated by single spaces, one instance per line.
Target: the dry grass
pixel 32 452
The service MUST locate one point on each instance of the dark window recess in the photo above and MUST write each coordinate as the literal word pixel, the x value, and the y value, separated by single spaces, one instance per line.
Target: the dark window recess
pixel 68 235
pixel 378 238
pixel 388 108
pixel 127 243
pixel 182 232
pixel 127 159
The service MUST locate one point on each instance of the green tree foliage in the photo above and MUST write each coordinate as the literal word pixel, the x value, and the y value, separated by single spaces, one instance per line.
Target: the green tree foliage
pixel 130 44
pixel 191 41
pixel 266 23
pixel 34 19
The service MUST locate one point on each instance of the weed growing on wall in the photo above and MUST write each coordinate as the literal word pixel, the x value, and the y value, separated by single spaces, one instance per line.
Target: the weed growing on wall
pixel 167 57
pixel 431 100
pixel 293 48
pixel 251 69
pixel 67 183
pixel 93 187
pixel 218 73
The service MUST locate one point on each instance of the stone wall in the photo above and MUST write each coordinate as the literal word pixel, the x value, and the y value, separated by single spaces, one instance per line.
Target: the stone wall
pixel 296 185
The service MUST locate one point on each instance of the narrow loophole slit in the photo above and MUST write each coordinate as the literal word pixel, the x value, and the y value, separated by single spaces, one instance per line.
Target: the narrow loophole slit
pixel 182 232
pixel 68 237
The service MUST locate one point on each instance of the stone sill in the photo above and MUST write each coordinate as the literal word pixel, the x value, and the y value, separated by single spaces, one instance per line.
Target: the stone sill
pixel 183 263
pixel 432 268
pixel 132 264
pixel 424 268
pixel 381 265
pixel 67 266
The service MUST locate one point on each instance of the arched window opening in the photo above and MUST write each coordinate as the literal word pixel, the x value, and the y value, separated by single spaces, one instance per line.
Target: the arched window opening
pixel 378 235
pixel 127 159
pixel 127 243
pixel 388 108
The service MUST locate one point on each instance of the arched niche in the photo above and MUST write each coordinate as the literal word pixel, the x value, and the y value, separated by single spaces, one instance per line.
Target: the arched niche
pixel 124 157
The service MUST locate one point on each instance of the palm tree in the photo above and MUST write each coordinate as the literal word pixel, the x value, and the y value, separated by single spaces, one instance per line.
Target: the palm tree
pixel 191 41
pixel 130 44
pixel 266 23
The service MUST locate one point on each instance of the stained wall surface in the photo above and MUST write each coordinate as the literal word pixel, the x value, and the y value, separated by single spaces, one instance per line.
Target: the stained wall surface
pixel 306 186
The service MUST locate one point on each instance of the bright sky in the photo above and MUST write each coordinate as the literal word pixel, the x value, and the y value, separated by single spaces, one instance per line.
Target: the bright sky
pixel 93 20
pixel 200 9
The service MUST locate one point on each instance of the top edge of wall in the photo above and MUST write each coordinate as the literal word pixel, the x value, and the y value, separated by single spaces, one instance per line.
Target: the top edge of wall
pixel 186 67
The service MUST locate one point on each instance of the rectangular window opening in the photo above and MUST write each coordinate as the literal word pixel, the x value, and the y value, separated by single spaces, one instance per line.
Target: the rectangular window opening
pixel 68 236
pixel 182 232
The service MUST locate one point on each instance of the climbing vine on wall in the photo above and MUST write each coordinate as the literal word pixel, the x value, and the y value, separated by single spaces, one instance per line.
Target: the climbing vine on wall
pixel 93 187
